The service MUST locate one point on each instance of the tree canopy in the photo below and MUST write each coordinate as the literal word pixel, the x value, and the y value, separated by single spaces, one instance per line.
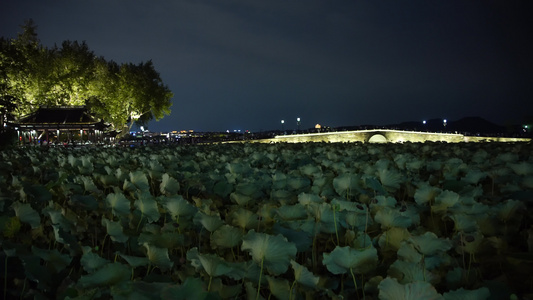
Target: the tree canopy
pixel 33 75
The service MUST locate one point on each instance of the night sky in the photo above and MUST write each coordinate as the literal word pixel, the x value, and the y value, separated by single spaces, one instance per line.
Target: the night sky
pixel 250 64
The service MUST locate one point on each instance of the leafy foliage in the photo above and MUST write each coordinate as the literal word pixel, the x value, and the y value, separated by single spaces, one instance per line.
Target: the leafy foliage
pixel 292 221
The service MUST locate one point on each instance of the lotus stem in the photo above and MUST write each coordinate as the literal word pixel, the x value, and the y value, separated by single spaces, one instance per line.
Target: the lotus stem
pixel 209 285
pixel 335 222
pixel 5 278
pixel 140 220
pixel 354 282
pixel 292 287
pixel 259 283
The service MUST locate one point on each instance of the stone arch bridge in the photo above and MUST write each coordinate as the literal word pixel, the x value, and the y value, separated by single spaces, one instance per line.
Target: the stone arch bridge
pixel 387 136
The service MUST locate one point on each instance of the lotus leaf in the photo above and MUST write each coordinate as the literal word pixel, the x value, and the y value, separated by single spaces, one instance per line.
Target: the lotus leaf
pixel 240 199
pixel 408 253
pixel 522 168
pixel 192 288
pixel 114 230
pixel 169 186
pixel 87 202
pixel 346 184
pixel 462 294
pixel 223 188
pixel 88 185
pixel 209 222
pixel 213 265
pixel 147 205
pixel 375 185
pixel 177 207
pixel 35 193
pixel 226 236
pixel 464 223
pixel 118 203
pixel 279 287
pixel 390 179
pixel 391 217
pixel 91 261
pixel 300 238
pixel 292 212
pixel 55 260
pixel 158 256
pixel 390 289
pixel 445 200
pixel 298 183
pixel 408 272
pixel 244 218
pixel 307 199
pixel 27 214
pixel 139 180
pixel 474 176
pixel 426 193
pixel 108 275
pixel 508 209
pixel 303 276
pixel 393 238
pixel 345 259
pixel 429 244
pixel 274 252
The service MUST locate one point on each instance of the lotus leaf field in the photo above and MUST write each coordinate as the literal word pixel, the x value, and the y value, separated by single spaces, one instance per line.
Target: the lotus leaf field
pixel 268 221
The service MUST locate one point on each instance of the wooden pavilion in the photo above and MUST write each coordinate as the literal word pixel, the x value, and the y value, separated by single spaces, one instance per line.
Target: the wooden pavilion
pixel 59 124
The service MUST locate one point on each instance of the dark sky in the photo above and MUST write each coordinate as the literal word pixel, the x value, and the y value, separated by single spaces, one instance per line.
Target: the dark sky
pixel 249 64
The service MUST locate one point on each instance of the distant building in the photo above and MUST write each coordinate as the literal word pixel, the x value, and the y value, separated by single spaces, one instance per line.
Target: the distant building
pixel 60 124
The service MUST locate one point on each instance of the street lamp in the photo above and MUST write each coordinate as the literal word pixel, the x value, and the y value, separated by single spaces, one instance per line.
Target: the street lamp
pixel 282 122
pixel 444 122
pixel 298 123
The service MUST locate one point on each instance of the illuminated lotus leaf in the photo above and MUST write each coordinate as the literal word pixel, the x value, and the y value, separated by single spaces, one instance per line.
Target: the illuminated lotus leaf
pixel 135 261
pixel 426 193
pixel 429 244
pixel 383 201
pixel 462 294
pixel 109 180
pixel 307 199
pixel 281 195
pixel 147 205
pixel 240 199
pixel 310 170
pixel 139 179
pixel 391 217
pixel 169 186
pixel 408 272
pixel 303 276
pixel 292 212
pixel 279 287
pixel 54 260
pixel 27 214
pixel 346 184
pixel 390 179
pixel 209 222
pixel 158 256
pixel 393 238
pixel 177 207
pixel 298 183
pixel 91 261
pixel 213 265
pixel 473 176
pixel 247 189
pixel 275 252
pixel 118 203
pixel 464 223
pixel 390 289
pixel 244 218
pixel 343 259
pixel 470 242
pixel 108 275
pixel 408 253
pixel 323 215
pixel 114 230
pixel 445 200
pixel 226 236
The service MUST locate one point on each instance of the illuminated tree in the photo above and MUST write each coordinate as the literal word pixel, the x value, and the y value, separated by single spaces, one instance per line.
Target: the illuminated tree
pixel 33 75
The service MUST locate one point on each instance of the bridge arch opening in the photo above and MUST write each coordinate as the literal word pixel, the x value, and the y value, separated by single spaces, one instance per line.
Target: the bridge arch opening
pixel 378 138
